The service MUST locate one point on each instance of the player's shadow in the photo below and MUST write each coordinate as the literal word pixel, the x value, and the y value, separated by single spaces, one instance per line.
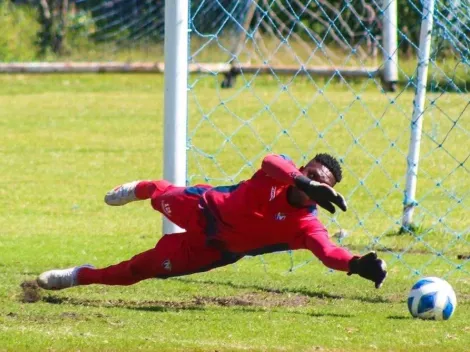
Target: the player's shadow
pixel 332 315
pixel 197 303
pixel 154 306
pixel 299 291
pixel 257 309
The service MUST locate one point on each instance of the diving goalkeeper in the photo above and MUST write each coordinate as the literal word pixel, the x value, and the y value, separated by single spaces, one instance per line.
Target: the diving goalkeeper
pixel 273 211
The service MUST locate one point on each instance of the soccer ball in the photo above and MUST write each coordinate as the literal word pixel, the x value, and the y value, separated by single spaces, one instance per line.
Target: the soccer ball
pixel 432 298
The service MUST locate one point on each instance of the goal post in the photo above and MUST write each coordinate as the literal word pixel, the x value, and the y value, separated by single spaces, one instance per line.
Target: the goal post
pixel 416 126
pixel 175 97
pixel 390 47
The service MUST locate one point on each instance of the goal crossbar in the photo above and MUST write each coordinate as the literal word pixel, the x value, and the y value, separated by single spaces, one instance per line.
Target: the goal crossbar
pixel 159 67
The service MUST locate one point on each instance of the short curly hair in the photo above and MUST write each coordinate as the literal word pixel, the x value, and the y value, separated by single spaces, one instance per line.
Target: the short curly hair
pixel 331 164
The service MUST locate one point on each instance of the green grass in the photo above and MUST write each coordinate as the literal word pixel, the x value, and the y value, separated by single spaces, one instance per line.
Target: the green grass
pixel 67 139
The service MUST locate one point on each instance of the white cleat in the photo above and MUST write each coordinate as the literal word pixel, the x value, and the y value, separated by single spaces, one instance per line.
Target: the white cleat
pixel 60 278
pixel 122 194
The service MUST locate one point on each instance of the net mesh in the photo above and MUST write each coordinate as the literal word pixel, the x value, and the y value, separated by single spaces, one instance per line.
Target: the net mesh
pixel 301 114
pixel 289 64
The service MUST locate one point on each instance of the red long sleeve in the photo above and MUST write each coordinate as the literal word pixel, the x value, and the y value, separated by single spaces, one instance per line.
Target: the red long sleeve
pixel 334 257
pixel 280 168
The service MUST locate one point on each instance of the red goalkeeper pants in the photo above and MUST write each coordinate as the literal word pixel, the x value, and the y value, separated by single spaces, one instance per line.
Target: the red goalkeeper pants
pixel 175 254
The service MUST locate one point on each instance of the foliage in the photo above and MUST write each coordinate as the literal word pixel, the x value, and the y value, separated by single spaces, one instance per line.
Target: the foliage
pixel 80 28
pixel 19 30
pixel 124 24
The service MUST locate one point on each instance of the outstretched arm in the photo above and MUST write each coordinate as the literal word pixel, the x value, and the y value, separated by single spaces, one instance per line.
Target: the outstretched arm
pixel 368 266
pixel 332 256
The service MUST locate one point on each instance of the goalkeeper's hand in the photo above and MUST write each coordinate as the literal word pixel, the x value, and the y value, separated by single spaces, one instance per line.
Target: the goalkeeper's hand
pixel 369 267
pixel 322 194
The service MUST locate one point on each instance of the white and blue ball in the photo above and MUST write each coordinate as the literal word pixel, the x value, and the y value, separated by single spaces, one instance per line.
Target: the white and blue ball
pixel 432 298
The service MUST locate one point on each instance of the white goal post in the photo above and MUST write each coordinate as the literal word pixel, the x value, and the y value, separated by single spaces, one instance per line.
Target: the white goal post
pixel 176 97
pixel 417 118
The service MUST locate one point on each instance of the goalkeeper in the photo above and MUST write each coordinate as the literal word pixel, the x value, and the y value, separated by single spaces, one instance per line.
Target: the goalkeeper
pixel 273 211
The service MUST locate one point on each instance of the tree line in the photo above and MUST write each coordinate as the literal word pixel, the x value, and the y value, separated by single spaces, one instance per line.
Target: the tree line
pixel 60 21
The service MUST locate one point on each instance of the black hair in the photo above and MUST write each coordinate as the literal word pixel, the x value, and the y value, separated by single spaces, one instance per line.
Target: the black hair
pixel 331 164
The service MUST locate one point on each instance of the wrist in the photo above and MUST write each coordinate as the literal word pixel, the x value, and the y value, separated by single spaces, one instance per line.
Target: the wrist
pixel 354 265
pixel 301 181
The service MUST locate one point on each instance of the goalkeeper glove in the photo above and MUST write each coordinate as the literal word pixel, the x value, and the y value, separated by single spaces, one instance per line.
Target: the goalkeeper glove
pixel 369 267
pixel 322 194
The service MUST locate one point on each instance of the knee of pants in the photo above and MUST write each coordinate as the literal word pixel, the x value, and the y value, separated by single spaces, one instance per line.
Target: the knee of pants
pixel 161 193
pixel 137 271
pixel 180 208
pixel 161 186
pixel 144 265
pixel 140 272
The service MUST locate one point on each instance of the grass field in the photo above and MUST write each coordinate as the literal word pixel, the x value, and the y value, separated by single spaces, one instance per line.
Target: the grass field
pixel 67 139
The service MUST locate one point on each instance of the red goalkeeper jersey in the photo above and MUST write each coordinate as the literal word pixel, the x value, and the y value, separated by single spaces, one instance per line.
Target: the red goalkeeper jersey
pixel 254 217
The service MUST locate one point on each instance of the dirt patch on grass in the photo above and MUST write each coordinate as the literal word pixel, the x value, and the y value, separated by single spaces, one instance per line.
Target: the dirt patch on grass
pixel 30 292
pixel 70 315
pixel 261 300
pixel 117 303
pixel 256 300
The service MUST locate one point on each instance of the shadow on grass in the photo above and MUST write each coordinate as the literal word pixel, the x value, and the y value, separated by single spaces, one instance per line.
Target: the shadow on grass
pixel 412 230
pixel 297 291
pixel 399 317
pixel 259 309
pixel 244 303
pixel 332 315
pixel 157 306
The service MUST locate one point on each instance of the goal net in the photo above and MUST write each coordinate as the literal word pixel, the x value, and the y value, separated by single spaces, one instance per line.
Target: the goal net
pixel 383 85
pixel 283 102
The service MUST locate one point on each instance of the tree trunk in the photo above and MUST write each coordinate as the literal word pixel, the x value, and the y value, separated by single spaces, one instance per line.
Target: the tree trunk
pixel 45 18
pixel 53 19
pixel 61 30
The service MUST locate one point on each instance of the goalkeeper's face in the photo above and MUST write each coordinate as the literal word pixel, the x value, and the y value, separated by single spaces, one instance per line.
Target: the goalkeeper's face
pixel 316 171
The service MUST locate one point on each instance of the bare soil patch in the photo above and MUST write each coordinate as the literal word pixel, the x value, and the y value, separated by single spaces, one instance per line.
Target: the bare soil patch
pixel 261 300
pixel 30 292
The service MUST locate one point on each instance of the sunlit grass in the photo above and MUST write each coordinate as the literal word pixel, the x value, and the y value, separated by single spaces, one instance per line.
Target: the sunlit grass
pixel 67 139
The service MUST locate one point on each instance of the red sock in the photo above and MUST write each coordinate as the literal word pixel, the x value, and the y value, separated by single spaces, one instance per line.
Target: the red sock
pixel 145 189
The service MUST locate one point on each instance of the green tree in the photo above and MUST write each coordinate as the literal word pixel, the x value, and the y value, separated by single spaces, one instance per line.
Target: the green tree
pixel 53 19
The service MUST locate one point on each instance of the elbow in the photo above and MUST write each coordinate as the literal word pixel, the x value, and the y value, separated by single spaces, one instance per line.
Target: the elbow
pixel 268 161
pixel 270 157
